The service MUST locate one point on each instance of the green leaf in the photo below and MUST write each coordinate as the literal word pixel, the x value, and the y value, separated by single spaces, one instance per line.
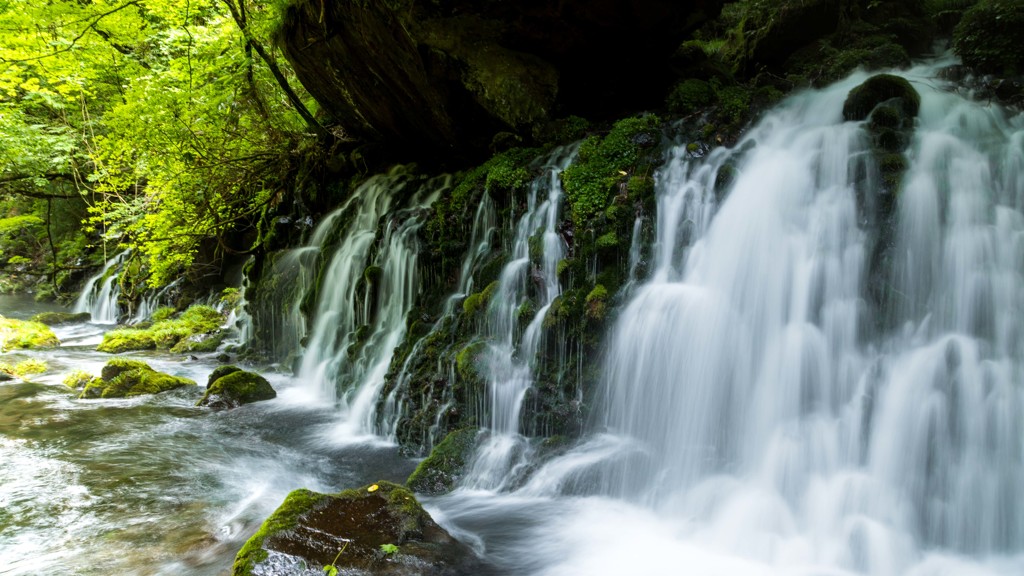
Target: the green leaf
pixel 330 570
pixel 388 548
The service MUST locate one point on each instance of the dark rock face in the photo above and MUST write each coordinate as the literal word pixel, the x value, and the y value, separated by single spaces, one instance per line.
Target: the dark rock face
pixel 376 530
pixel 442 78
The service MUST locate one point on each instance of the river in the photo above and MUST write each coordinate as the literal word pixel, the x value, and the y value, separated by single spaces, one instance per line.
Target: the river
pixel 154 485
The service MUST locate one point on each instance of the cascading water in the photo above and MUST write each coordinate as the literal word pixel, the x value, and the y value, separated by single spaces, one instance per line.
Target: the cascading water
pixel 365 297
pixel 100 294
pixel 764 412
pixel 514 336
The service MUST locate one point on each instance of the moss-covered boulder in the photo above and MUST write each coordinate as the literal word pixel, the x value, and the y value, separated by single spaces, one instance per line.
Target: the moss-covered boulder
pixel 195 330
pixel 230 387
pixel 988 37
pixel 441 471
pixel 26 335
pixel 61 318
pixel 122 378
pixel 863 99
pixel 378 529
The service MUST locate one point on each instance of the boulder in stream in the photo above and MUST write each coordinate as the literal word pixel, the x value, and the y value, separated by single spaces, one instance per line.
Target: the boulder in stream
pixel 61 318
pixel 230 387
pixel 25 335
pixel 122 378
pixel 378 529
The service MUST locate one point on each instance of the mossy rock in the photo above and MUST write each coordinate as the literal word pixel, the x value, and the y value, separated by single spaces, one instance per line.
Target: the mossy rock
pixel 348 530
pixel 878 89
pixel 26 335
pixel 78 379
pixel 125 340
pixel 441 470
pixel 196 330
pixel 689 96
pixel 220 372
pixel 236 388
pixel 122 378
pixel 988 37
pixel 61 318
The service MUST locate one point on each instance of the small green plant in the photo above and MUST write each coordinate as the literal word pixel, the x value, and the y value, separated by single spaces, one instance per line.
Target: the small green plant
pixel 388 549
pixel 331 569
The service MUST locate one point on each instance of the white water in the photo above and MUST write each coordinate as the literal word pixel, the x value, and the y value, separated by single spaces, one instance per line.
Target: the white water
pixel 354 334
pixel 512 338
pixel 100 294
pixel 762 414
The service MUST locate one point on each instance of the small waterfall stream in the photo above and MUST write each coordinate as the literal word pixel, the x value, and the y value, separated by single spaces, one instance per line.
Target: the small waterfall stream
pixel 100 294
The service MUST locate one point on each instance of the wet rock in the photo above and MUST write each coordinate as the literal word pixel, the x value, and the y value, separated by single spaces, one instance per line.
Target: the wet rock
pixel 230 387
pixel 61 318
pixel 442 78
pixel 25 335
pixel 863 99
pixel 378 529
pixel 441 471
pixel 122 378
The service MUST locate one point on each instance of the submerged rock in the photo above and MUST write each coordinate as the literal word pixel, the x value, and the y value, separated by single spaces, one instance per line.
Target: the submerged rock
pixel 61 318
pixel 230 387
pixel 122 378
pixel 378 529
pixel 878 89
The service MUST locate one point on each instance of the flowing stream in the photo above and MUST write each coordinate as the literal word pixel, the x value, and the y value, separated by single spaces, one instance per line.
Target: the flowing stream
pixel 763 411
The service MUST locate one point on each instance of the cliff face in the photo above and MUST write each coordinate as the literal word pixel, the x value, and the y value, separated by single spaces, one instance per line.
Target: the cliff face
pixel 446 76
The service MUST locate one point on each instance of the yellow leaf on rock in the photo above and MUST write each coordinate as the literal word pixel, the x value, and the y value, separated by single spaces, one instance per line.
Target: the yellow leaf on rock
pixel 373 488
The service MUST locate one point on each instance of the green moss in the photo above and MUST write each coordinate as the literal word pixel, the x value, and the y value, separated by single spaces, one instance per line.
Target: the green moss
pixel 892 167
pixel 471 305
pixel 236 388
pixel 286 517
pixel 597 302
pixel 23 334
pixel 467 361
pixel 526 311
pixel 61 318
pixel 78 379
pixel 24 368
pixel 988 37
pixel 603 164
pixel 440 472
pixel 878 89
pixel 372 274
pixel 689 96
pixel 219 372
pixel 488 292
pixel 163 313
pixel 122 378
pixel 183 334
pixel 608 241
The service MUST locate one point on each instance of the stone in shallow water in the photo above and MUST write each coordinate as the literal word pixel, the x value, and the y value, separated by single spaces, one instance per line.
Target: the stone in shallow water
pixel 230 387
pixel 347 530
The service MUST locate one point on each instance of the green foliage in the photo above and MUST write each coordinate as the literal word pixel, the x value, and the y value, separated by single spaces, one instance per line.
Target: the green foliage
pixel 689 96
pixel 388 549
pixel 163 313
pixel 988 37
pixel 603 164
pixel 597 302
pixel 157 116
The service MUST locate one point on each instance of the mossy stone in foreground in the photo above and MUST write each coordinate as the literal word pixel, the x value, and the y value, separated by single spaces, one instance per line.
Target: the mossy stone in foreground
pixel 25 335
pixel 440 471
pixel 61 318
pixel 310 529
pixel 236 387
pixel 127 378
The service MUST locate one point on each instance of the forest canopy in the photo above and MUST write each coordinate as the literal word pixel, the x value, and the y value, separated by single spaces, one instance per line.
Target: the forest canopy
pixel 157 125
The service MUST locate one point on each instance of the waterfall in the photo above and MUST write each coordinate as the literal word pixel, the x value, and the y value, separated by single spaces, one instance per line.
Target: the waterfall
pixel 368 286
pixel 513 331
pixel 763 412
pixel 100 294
